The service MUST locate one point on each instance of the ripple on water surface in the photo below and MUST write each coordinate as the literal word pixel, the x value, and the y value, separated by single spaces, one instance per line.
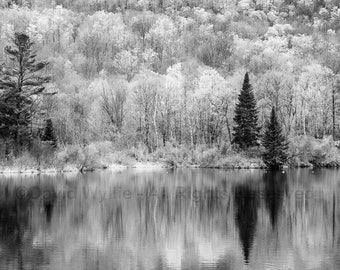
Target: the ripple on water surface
pixel 171 219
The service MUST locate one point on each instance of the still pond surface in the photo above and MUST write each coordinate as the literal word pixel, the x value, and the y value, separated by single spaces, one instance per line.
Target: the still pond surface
pixel 171 219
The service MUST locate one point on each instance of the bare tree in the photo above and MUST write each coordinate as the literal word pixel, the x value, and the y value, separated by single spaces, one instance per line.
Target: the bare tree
pixel 113 103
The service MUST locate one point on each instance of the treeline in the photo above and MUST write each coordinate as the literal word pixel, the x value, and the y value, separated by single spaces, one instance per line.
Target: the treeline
pixel 140 76
pixel 292 7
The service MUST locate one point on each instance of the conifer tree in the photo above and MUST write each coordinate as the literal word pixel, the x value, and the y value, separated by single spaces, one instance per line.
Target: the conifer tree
pixel 275 154
pixel 49 133
pixel 20 85
pixel 246 130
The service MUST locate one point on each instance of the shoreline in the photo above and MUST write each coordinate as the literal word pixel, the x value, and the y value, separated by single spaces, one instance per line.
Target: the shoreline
pixel 304 152
pixel 143 166
pixel 74 169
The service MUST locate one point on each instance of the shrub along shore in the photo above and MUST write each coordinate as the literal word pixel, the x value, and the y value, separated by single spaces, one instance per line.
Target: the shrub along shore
pixel 303 152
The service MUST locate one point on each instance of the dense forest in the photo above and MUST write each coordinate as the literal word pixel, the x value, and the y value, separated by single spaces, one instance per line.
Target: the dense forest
pixel 154 74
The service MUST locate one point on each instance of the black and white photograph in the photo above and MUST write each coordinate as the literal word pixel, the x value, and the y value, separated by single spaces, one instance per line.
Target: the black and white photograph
pixel 169 134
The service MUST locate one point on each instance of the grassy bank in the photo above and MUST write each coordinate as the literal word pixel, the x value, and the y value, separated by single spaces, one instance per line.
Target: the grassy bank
pixel 303 152
pixel 102 155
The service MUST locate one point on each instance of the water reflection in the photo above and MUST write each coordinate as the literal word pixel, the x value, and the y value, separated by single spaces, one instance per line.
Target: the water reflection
pixel 275 189
pixel 176 219
pixel 246 203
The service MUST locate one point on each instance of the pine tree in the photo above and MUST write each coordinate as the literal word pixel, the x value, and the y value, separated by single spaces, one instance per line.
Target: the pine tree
pixel 49 133
pixel 246 130
pixel 275 154
pixel 20 86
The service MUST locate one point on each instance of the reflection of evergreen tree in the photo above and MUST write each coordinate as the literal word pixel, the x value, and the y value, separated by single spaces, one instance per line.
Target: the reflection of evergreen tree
pixel 275 189
pixel 14 215
pixel 16 232
pixel 48 206
pixel 49 202
pixel 246 202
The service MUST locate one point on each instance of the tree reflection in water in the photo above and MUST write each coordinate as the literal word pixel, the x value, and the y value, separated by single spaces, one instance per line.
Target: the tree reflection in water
pixel 176 219
pixel 246 203
pixel 275 190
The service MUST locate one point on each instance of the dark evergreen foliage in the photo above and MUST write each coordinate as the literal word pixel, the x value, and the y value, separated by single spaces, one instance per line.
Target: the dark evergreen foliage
pixel 19 87
pixel 246 203
pixel 275 154
pixel 49 133
pixel 275 189
pixel 246 130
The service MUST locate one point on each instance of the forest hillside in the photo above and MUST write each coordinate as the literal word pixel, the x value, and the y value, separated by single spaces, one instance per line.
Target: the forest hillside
pixel 153 80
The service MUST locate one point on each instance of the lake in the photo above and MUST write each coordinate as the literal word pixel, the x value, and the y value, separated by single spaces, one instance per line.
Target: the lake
pixel 171 219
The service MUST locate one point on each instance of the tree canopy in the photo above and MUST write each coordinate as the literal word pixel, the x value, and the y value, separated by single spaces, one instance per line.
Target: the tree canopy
pixel 197 53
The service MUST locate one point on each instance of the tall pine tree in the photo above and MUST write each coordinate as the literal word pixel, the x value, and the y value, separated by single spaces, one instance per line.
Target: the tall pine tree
pixel 275 154
pixel 246 131
pixel 20 86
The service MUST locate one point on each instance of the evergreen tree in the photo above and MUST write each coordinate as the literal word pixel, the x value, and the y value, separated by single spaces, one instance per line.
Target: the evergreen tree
pixel 246 130
pixel 20 86
pixel 275 154
pixel 49 133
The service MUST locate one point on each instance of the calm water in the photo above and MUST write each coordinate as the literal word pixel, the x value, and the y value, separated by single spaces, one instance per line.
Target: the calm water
pixel 171 219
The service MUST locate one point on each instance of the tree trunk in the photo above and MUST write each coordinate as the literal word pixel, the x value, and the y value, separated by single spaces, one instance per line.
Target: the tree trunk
pixel 154 121
pixel 333 111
